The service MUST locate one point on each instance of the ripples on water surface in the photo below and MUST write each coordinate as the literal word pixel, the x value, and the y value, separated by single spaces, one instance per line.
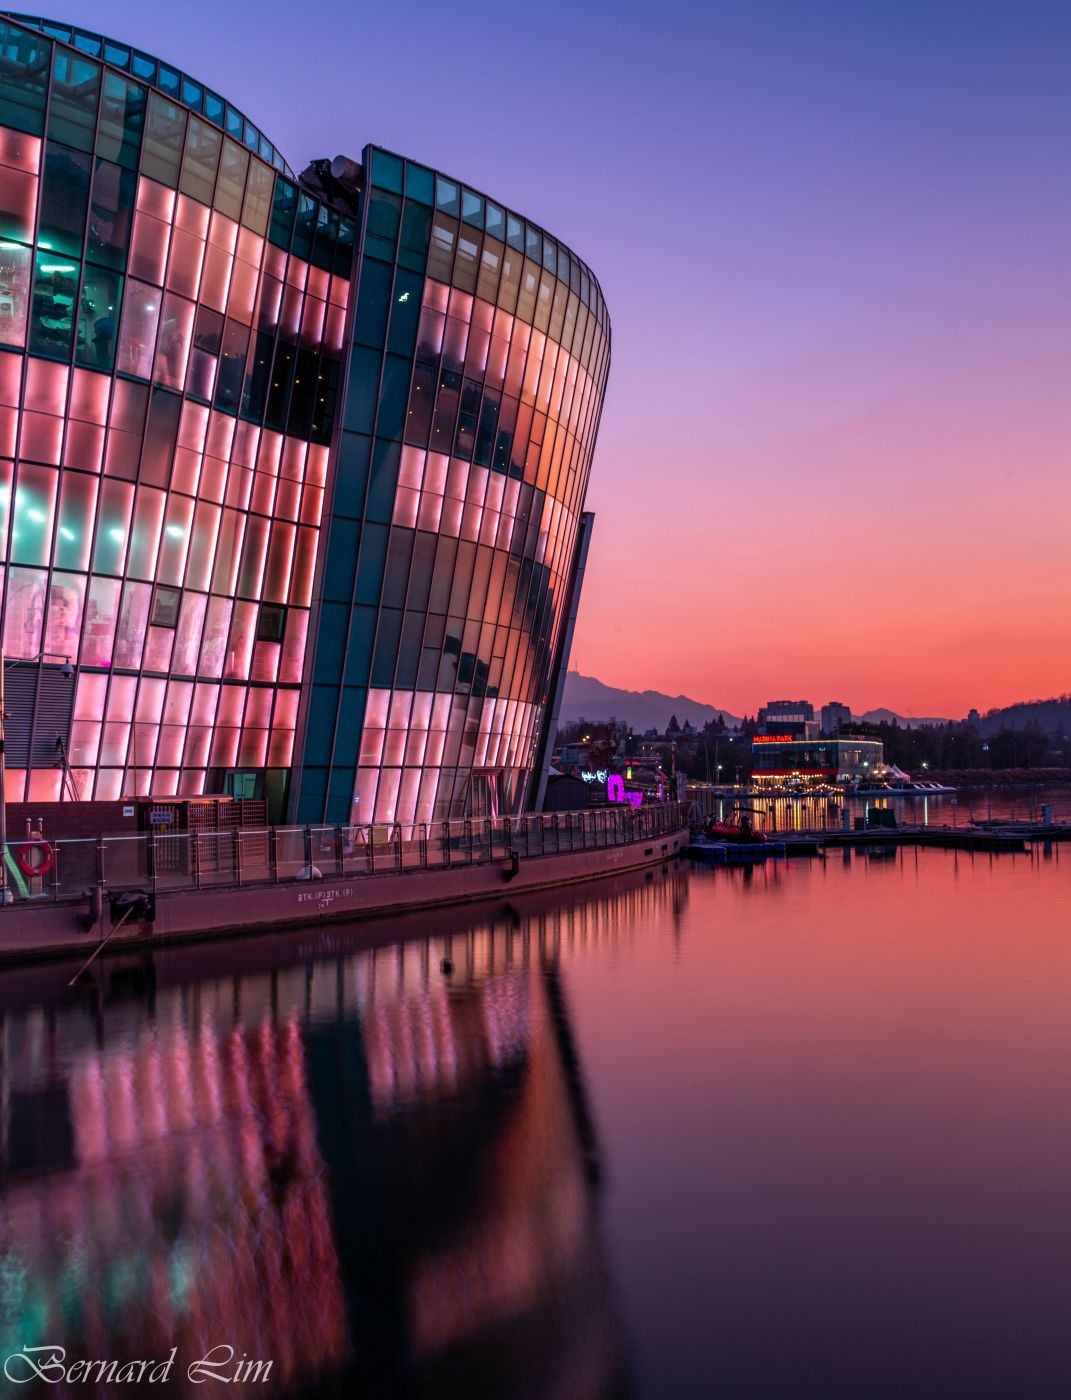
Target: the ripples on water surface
pixel 791 1131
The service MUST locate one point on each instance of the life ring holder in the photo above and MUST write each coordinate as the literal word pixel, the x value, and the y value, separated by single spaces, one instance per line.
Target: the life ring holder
pixel 33 871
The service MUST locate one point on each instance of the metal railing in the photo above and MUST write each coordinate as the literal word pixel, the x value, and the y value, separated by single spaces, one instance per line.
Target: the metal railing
pixel 269 855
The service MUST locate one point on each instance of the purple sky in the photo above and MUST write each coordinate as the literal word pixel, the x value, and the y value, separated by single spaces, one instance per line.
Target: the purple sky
pixel 834 239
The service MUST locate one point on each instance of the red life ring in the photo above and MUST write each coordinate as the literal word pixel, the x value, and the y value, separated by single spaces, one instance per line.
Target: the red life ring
pixel 44 867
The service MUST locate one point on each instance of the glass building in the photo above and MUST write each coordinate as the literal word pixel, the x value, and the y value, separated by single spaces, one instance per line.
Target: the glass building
pixel 778 759
pixel 292 469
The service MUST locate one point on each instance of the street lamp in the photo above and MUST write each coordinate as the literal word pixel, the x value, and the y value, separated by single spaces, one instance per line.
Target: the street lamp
pixel 67 672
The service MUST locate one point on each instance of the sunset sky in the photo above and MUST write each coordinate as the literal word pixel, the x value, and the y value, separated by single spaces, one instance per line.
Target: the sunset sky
pixel 835 240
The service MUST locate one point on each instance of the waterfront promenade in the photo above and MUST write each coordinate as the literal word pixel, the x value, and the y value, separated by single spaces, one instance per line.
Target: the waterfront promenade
pixel 159 888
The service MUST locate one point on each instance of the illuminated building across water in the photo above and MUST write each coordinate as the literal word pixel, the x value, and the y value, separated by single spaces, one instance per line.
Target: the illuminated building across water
pixel 291 468
pixel 780 760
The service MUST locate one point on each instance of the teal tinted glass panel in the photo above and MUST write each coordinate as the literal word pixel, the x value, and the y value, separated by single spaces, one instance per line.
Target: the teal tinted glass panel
pixel 58 31
pixel 386 172
pixel 235 123
pixel 23 79
pixel 251 136
pixel 283 210
pixel 447 196
pixel 111 214
pixel 496 222
pixel 304 227
pixel 384 215
pixel 143 66
pixel 55 292
pixel 72 116
pixel 515 233
pixel 351 476
pixel 373 304
pixel 472 208
pixel 344 248
pixel 122 120
pixel 169 81
pixel 117 54
pixel 64 200
pixel 405 312
pixel 419 184
pixel 193 94
pixel 362 390
pixel 214 107
pixel 98 316
pixel 416 235
pixel 88 43
pixel 341 559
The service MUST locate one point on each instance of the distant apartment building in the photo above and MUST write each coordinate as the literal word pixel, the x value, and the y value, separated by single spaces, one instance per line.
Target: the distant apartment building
pixel 793 719
pixel 834 715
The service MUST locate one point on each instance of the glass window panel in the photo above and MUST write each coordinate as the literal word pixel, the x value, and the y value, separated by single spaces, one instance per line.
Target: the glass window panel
pixel 258 197
pixel 14 292
pixel 188 633
pixel 386 171
pixel 98 315
pixel 145 532
pixel 66 595
pixel 64 200
pixel 113 527
pixel 101 616
pixel 419 183
pixel 111 213
pixel 165 131
pixel 122 118
pixel 32 517
pixel 148 248
pixel 230 187
pixel 173 341
pixel 214 107
pixel 203 143
pixel 72 115
pixel 472 208
pixel 25 615
pixel 18 199
pixel 137 333
pixel 168 80
pixel 78 499
pixel 53 309
pixel 23 78
pixel 133 620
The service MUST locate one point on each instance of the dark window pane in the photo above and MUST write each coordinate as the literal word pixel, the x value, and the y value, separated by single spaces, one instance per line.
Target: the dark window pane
pixel 405 313
pixel 122 119
pixel 64 200
pixel 373 304
pixel 98 316
pixel 55 289
pixel 165 607
pixel 23 78
pixel 72 116
pixel 111 213
pixel 386 172
pixel 419 184
pixel 271 623
pixel 283 211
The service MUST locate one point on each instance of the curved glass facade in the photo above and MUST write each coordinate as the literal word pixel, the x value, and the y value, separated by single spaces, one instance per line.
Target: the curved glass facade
pixel 292 478
pixel 481 350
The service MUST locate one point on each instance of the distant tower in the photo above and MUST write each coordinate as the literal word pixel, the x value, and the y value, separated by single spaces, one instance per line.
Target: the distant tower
pixel 834 715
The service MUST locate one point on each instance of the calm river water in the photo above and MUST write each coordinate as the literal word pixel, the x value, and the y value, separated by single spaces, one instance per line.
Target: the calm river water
pixel 799 1130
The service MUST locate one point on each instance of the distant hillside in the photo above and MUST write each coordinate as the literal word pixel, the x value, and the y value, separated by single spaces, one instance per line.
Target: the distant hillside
pixel 905 721
pixel 1050 715
pixel 588 698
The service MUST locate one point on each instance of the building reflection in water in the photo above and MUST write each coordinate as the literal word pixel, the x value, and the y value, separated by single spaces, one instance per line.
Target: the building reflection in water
pixel 378 1170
